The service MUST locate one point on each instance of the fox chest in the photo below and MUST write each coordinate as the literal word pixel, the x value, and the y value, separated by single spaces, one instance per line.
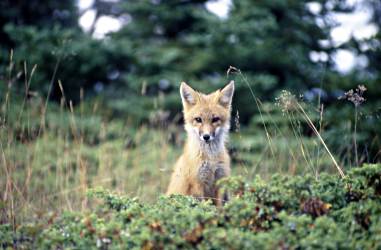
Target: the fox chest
pixel 207 173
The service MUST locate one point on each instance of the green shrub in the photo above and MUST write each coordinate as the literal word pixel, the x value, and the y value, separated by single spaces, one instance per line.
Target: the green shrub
pixel 285 212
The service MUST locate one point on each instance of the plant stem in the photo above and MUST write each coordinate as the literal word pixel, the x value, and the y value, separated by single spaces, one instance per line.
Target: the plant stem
pixel 310 123
pixel 355 137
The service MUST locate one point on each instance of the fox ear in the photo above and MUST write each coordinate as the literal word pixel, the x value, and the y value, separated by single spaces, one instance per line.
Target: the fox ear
pixel 188 95
pixel 226 95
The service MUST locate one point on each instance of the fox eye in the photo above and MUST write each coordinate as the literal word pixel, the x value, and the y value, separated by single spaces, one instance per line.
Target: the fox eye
pixel 198 119
pixel 215 119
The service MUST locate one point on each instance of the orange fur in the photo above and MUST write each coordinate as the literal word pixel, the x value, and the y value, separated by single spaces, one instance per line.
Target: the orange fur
pixel 203 162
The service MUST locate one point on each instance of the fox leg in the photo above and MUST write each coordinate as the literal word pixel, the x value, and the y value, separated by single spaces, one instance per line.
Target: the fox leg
pixel 205 176
pixel 177 185
pixel 222 198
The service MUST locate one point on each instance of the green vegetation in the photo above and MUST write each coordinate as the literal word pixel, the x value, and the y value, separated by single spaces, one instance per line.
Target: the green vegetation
pixel 73 149
pixel 90 127
pixel 284 212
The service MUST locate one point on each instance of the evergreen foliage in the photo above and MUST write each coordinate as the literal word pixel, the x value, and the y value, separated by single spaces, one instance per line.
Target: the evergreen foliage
pixel 286 212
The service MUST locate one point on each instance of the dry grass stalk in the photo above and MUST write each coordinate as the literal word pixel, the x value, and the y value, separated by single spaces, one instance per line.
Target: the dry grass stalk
pixel 357 98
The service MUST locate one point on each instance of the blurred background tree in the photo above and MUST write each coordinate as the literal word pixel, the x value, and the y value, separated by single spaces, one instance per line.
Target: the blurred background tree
pixel 137 69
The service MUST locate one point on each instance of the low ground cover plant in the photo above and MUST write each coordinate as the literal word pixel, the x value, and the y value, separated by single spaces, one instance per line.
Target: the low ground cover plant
pixel 286 212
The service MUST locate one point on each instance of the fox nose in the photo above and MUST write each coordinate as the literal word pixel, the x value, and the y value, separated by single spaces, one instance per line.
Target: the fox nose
pixel 206 137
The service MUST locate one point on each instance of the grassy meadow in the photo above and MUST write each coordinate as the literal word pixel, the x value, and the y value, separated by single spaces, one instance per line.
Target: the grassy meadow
pixel 52 153
pixel 80 176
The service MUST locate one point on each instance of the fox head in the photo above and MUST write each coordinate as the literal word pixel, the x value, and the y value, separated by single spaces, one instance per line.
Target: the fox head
pixel 207 116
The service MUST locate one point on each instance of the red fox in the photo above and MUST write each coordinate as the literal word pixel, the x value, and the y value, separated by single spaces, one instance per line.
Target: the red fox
pixel 205 158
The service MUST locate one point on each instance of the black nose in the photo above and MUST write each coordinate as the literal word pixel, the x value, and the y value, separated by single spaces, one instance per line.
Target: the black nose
pixel 206 137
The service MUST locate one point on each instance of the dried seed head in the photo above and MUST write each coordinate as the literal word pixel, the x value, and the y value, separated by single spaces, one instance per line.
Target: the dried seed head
pixel 355 96
pixel 286 101
pixel 232 69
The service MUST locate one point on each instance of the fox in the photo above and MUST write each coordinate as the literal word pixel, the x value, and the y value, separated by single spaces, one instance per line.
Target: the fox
pixel 205 158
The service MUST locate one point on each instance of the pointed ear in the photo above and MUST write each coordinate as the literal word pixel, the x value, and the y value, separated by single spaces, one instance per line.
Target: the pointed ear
pixel 188 95
pixel 226 95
